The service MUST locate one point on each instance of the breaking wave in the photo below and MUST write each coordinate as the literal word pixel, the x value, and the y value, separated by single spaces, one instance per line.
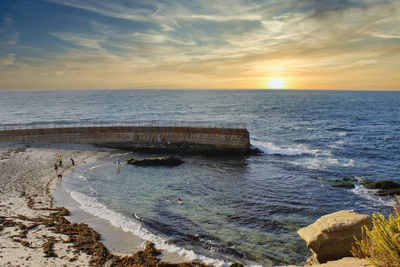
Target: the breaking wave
pixel 272 149
pixel 369 195
pixel 92 206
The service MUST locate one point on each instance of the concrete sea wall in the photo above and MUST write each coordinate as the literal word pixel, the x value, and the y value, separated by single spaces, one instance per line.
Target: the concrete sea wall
pixel 136 137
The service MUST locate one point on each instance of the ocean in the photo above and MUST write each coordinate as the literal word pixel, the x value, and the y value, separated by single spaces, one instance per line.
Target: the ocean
pixel 245 208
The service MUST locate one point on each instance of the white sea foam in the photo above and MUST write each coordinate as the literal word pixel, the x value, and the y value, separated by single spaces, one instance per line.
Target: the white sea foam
pixel 343 162
pixel 94 167
pixel 369 195
pixel 272 149
pixel 323 162
pixel 80 176
pixel 92 206
pixel 337 144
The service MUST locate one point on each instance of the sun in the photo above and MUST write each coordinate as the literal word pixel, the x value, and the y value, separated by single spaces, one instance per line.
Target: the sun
pixel 276 83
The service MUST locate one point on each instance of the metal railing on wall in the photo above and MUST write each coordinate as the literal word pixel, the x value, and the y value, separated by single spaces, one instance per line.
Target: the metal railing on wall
pixel 153 123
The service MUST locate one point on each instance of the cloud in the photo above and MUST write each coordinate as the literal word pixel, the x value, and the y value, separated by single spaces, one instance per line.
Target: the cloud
pixel 82 40
pixel 7 61
pixel 8 35
pixel 115 9
pixel 385 36
pixel 222 43
pixel 12 38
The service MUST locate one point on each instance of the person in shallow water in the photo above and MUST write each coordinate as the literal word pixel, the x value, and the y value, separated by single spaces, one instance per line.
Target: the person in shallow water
pixel 180 201
pixel 119 163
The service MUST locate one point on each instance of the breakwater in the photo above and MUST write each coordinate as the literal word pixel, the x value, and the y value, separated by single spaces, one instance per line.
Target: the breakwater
pixel 145 138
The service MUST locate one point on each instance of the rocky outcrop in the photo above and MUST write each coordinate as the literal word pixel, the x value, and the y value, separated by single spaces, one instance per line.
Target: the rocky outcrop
pixel 331 236
pixel 385 188
pixel 158 161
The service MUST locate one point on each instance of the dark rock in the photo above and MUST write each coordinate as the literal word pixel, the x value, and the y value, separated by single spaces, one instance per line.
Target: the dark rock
pixel 254 151
pixel 386 188
pixel 383 185
pixel 388 192
pixel 158 161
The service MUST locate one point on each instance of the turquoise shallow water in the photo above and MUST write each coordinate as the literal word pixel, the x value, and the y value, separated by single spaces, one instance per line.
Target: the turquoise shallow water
pixel 243 208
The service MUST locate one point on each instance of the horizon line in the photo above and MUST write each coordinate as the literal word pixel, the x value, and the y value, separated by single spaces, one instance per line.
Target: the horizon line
pixel 196 89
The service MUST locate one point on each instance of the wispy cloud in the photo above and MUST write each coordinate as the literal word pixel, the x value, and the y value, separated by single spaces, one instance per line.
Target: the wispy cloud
pixel 7 61
pixel 81 40
pixel 114 9
pixel 8 35
pixel 216 43
pixel 383 35
pixel 12 38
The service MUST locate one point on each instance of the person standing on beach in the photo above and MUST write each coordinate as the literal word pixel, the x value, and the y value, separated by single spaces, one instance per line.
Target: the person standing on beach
pixel 55 166
pixel 60 161
pixel 59 176
pixel 73 162
pixel 119 163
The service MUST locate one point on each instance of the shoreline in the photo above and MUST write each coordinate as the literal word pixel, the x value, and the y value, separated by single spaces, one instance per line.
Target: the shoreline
pixel 118 240
pixel 33 231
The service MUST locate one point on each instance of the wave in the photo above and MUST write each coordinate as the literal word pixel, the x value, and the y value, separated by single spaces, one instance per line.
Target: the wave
pixel 369 194
pixel 92 206
pixel 323 162
pixel 337 145
pixel 340 129
pixel 94 167
pixel 84 178
pixel 272 149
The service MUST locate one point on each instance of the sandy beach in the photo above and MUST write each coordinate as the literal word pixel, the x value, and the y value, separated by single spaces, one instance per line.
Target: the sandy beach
pixel 27 180
pixel 33 232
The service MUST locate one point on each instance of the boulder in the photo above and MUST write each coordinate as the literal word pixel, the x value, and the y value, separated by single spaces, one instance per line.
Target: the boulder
pixel 385 188
pixel 157 161
pixel 383 185
pixel 331 236
pixel 388 192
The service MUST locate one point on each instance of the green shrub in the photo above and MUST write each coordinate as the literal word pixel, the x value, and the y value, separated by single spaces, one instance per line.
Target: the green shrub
pixel 380 245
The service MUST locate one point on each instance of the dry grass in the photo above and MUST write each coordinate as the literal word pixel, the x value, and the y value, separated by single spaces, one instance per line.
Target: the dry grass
pixel 380 245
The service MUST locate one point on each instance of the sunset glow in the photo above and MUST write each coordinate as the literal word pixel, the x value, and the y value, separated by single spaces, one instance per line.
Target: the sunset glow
pixel 75 44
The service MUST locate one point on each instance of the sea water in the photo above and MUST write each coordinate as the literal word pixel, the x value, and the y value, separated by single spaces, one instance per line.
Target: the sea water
pixel 235 208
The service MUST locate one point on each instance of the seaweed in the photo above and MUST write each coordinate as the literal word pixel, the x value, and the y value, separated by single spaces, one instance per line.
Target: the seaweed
pixel 344 185
pixel 48 247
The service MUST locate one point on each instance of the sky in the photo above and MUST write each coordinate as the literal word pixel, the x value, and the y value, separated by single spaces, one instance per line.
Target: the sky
pixel 218 44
